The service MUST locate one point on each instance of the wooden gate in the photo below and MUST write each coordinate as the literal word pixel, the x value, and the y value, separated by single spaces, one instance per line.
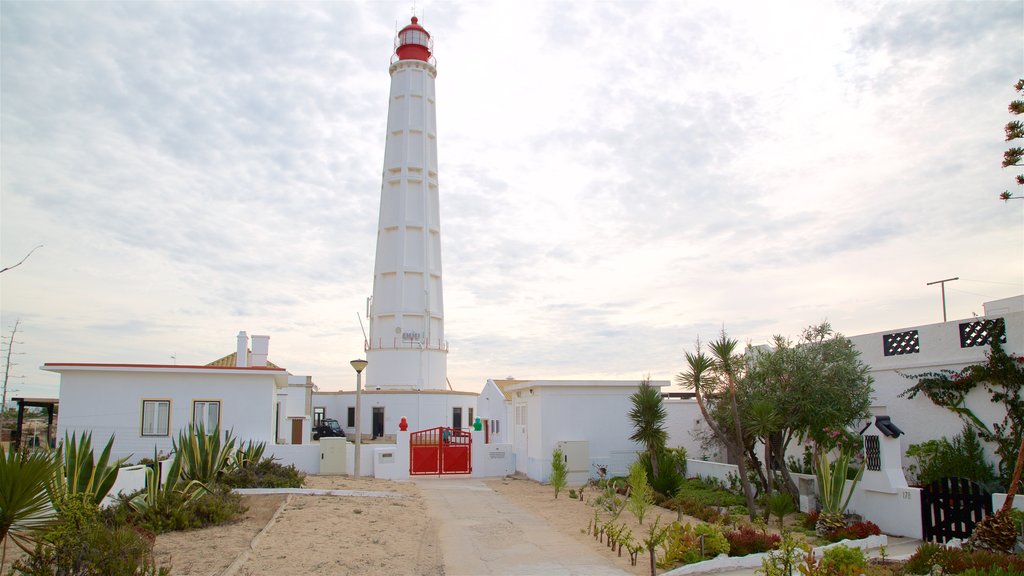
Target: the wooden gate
pixel 440 451
pixel 950 507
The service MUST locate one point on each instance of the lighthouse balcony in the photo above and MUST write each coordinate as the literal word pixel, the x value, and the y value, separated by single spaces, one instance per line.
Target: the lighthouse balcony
pixel 404 344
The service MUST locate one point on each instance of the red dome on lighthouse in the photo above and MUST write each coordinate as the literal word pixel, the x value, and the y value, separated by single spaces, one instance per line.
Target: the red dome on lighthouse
pixel 413 42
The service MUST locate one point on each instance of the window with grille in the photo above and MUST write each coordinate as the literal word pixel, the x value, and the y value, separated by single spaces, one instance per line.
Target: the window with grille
pixel 319 413
pixel 981 332
pixel 873 451
pixel 901 343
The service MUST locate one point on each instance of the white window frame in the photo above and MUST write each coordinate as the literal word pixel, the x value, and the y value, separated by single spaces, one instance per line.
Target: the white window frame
pixel 150 419
pixel 204 415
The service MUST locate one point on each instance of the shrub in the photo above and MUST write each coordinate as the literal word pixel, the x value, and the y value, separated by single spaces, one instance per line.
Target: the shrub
pixel 747 540
pixel 81 544
pixel 682 544
pixel 854 531
pixel 844 560
pixel 957 560
pixel 267 474
pixel 641 496
pixel 963 456
pixel 176 511
pixel 994 571
pixel 810 520
pixel 671 470
pixel 709 495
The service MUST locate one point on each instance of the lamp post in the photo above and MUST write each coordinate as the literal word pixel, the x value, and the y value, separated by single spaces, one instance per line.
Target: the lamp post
pixel 359 365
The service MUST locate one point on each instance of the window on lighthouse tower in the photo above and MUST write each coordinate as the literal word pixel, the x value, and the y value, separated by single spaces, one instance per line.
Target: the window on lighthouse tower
pixel 414 37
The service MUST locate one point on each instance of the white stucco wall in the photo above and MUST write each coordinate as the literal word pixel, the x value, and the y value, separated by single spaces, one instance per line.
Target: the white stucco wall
pixel 682 421
pixel 565 410
pixel 919 418
pixel 109 401
pixel 422 410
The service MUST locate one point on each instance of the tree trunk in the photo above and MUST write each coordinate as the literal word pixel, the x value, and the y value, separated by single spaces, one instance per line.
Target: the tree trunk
pixel 780 454
pixel 653 452
pixel 1012 488
pixel 654 571
pixel 741 464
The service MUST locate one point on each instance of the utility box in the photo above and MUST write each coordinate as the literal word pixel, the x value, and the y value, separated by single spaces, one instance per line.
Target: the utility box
pixel 333 456
pixel 577 459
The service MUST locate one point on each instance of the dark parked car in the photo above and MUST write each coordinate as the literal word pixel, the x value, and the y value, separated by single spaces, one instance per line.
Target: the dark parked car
pixel 328 428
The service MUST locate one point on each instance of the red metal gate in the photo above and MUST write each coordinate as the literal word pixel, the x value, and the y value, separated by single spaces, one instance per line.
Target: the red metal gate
pixel 440 451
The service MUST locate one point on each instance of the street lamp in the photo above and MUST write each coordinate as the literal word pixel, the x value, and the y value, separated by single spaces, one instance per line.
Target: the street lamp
pixel 359 365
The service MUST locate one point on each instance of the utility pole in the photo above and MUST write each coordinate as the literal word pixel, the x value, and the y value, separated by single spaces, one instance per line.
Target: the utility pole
pixel 943 283
pixel 7 372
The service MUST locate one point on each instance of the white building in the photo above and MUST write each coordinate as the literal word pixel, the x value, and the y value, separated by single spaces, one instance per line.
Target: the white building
pixel 587 417
pixel 145 405
pixel 892 356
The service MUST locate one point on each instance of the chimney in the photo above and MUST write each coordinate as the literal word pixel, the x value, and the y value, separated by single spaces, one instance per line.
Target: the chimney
pixel 242 351
pixel 260 348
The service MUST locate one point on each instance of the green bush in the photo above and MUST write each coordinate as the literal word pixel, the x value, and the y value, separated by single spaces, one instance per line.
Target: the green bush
pixel 559 471
pixel 641 495
pixel 267 474
pixel 81 544
pixel 963 456
pixel 843 559
pixel 709 495
pixel 682 544
pixel 671 471
pixel 958 560
pixel 177 511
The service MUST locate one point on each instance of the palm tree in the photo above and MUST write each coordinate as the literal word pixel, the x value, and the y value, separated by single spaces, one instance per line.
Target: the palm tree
pixel 24 504
pixel 727 367
pixel 763 420
pixel 648 416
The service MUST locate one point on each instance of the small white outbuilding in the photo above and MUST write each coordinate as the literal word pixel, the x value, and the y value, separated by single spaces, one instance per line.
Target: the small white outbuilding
pixel 589 418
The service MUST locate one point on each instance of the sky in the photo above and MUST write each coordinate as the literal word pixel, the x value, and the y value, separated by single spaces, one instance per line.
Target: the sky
pixel 617 178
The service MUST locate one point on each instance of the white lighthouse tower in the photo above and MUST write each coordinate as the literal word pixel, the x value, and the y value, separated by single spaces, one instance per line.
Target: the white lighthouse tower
pixel 406 349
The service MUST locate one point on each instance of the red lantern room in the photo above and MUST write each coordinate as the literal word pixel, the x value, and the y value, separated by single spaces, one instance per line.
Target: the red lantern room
pixel 413 42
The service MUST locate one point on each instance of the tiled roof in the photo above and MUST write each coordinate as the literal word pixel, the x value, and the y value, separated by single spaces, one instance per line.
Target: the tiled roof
pixel 232 359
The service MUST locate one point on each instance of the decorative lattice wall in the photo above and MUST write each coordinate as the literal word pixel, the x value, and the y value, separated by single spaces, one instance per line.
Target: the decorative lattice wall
pixel 981 332
pixel 901 343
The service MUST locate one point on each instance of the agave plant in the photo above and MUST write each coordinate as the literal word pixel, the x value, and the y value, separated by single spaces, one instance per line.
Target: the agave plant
pixel 249 454
pixel 156 492
pixel 832 489
pixel 203 456
pixel 24 504
pixel 78 472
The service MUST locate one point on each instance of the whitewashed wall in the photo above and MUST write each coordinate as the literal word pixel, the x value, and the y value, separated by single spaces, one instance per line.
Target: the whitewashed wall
pixel 920 419
pixel 592 411
pixel 422 410
pixel 110 402
pixel 683 420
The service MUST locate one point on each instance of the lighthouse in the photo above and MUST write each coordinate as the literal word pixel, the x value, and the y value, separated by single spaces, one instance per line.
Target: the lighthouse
pixel 406 347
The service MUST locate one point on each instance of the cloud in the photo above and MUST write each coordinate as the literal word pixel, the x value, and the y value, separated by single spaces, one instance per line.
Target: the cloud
pixel 616 178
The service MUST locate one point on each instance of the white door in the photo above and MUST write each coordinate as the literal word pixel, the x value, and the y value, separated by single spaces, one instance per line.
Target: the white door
pixel 520 437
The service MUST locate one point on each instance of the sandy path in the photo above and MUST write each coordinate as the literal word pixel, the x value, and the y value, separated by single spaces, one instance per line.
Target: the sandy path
pixel 209 551
pixel 482 532
pixel 349 534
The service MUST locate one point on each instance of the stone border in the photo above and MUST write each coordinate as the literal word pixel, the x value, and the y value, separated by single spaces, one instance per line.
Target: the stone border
pixel 730 563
